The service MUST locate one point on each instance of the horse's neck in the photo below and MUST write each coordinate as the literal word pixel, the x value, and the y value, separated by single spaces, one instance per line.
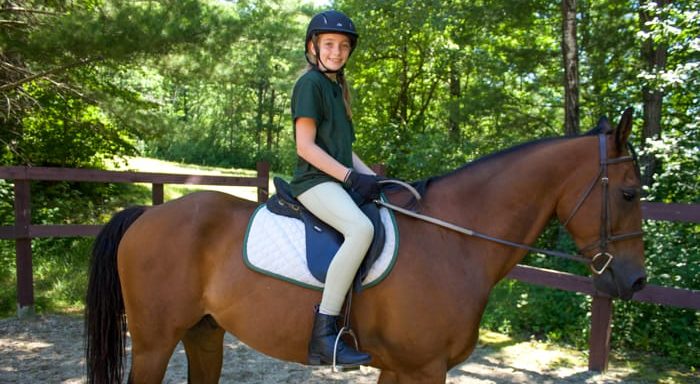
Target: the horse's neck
pixel 510 197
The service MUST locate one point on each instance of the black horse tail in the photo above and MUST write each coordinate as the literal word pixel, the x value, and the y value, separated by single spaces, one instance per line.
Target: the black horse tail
pixel 105 322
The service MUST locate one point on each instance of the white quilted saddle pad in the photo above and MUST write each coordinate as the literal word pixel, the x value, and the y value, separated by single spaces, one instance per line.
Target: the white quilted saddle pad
pixel 276 245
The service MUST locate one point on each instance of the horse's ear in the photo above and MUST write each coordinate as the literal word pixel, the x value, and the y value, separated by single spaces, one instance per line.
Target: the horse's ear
pixel 603 126
pixel 624 128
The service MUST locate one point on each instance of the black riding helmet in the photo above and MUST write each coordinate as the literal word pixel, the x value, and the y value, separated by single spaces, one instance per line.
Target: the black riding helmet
pixel 330 22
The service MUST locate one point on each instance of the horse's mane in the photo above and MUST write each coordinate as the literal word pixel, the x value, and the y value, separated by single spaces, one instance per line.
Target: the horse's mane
pixel 422 185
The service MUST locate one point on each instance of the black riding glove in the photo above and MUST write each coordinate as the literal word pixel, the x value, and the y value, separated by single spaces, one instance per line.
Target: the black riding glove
pixel 367 186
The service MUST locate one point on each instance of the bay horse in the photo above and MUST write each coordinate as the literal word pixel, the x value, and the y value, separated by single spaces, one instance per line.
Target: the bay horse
pixel 174 272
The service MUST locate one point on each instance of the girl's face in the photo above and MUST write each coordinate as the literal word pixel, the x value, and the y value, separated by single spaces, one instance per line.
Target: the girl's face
pixel 334 50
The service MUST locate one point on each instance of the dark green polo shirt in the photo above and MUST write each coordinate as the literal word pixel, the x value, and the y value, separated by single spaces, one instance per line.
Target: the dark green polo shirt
pixel 318 97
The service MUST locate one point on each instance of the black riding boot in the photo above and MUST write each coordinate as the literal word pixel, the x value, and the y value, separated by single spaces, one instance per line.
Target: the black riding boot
pixel 322 342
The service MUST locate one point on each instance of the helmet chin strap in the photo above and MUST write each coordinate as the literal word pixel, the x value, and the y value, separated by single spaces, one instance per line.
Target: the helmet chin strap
pixel 326 70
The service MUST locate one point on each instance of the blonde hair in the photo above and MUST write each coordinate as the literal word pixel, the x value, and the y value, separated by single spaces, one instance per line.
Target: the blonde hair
pixel 340 78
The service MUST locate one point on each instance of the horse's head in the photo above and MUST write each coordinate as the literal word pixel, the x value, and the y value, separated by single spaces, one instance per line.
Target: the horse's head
pixel 603 214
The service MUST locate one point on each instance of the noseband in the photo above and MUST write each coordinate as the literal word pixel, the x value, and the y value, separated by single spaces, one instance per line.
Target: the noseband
pixel 606 235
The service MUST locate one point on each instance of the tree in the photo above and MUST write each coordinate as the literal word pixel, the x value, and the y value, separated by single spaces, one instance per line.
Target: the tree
pixel 671 36
pixel 570 52
pixel 654 55
pixel 239 109
pixel 76 51
pixel 434 88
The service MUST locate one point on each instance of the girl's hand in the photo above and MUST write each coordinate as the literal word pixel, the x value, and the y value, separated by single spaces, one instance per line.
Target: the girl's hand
pixel 364 185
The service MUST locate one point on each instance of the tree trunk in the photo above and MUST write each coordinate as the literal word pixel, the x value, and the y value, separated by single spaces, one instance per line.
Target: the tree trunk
pixel 455 91
pixel 270 120
pixel 654 60
pixel 571 82
pixel 404 90
pixel 259 112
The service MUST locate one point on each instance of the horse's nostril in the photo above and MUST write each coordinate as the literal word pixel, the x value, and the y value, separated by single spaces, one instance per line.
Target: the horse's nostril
pixel 639 284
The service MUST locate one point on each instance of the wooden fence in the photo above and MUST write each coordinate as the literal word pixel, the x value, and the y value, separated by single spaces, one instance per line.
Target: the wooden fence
pixel 601 306
pixel 23 232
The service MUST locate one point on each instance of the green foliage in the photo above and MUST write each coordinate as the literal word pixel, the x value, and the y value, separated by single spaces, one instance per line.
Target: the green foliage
pixel 77 56
pixel 8 282
pixel 608 65
pixel 239 115
pixel 60 273
pixel 435 90
pixel 678 179
pixel 672 261
pixel 116 30
pixel 677 27
pixel 67 132
pixel 537 312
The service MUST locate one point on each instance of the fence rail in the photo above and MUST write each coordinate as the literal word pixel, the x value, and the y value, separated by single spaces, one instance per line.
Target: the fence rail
pixel 24 231
pixel 601 308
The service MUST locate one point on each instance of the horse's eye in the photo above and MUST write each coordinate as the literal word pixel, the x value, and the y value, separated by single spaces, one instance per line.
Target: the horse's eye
pixel 629 194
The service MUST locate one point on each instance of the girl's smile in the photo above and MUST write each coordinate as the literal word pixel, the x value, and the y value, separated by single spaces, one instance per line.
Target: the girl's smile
pixel 334 50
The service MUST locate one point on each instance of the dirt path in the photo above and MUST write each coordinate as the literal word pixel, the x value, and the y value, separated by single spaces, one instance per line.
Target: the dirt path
pixel 49 349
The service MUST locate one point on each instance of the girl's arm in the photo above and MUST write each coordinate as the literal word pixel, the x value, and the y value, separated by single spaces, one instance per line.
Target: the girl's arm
pixel 309 151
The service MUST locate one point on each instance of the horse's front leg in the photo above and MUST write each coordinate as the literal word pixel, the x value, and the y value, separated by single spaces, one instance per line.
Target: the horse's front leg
pixel 434 373
pixel 387 377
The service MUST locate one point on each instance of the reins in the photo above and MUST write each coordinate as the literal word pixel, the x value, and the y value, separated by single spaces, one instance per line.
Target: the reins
pixel 470 232
pixel 606 236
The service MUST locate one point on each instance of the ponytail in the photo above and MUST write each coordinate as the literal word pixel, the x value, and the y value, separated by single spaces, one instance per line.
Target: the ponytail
pixel 346 93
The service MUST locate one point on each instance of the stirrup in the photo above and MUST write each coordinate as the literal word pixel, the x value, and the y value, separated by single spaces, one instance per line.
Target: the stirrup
pixel 344 368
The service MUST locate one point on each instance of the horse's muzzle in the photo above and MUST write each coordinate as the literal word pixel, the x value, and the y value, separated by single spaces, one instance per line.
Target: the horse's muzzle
pixel 621 279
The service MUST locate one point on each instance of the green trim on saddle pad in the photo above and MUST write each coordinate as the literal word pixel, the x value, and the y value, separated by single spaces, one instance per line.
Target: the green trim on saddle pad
pixel 291 280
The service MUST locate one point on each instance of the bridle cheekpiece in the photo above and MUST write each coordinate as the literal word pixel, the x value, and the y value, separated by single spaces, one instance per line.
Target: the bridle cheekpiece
pixel 606 235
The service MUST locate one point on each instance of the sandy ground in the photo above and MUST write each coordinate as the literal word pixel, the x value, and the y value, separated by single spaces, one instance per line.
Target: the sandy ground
pixel 49 349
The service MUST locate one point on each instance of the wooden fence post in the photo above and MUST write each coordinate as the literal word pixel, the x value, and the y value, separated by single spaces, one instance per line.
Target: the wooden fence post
pixel 601 326
pixel 263 169
pixel 157 194
pixel 23 249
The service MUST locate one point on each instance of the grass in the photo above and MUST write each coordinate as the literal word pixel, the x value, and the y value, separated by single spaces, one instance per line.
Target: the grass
pixel 565 361
pixel 173 191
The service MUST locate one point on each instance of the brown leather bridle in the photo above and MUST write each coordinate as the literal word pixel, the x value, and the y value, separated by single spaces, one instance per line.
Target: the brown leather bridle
pixel 606 235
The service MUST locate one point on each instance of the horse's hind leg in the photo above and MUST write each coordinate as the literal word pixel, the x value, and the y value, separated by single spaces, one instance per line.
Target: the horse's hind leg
pixel 204 344
pixel 153 341
pixel 150 356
